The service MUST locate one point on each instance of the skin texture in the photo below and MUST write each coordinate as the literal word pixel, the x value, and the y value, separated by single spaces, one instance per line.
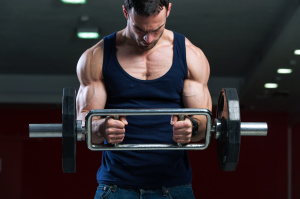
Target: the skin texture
pixel 145 51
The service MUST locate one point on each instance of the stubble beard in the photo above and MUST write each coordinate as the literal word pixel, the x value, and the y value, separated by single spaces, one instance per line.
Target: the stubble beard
pixel 139 42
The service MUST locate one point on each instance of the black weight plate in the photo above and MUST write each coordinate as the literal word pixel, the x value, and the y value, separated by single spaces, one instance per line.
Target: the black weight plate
pixel 69 130
pixel 228 144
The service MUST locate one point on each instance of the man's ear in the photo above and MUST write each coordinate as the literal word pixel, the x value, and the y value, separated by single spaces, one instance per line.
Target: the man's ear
pixel 125 12
pixel 169 9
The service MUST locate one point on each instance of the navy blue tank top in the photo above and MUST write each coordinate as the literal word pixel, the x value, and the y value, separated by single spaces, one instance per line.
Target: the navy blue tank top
pixel 145 169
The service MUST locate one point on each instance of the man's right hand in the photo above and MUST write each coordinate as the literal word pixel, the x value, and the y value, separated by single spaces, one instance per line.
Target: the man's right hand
pixel 114 130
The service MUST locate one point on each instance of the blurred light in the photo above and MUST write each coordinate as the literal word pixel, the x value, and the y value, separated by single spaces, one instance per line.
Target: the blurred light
pixel 74 1
pixel 271 85
pixel 284 71
pixel 88 35
pixel 297 52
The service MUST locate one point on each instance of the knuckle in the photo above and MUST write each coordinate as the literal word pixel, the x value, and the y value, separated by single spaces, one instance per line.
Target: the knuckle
pixel 188 131
pixel 177 124
pixel 188 124
pixel 109 119
pixel 121 124
pixel 109 137
pixel 109 130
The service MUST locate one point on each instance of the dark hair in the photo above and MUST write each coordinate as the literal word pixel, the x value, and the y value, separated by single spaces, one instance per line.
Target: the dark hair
pixel 146 7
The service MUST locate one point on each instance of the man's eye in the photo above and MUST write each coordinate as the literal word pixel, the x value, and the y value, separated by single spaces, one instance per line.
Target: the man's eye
pixel 138 30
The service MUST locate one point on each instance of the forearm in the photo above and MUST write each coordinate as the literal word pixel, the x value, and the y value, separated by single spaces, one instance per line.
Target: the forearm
pixel 97 130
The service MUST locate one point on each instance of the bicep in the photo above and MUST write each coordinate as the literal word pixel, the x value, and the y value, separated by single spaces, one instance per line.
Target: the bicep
pixel 196 95
pixel 91 94
pixel 195 91
pixel 89 97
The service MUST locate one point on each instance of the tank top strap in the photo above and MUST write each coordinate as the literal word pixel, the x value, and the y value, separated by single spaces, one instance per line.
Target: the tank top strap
pixel 180 52
pixel 109 50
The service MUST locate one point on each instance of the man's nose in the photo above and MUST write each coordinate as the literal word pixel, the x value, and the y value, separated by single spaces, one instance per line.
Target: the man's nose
pixel 148 38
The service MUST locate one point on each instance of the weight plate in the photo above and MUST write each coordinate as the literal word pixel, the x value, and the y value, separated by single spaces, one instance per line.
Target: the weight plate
pixel 228 144
pixel 69 134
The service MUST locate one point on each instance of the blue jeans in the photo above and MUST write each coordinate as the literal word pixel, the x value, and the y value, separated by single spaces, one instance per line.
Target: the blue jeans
pixel 115 192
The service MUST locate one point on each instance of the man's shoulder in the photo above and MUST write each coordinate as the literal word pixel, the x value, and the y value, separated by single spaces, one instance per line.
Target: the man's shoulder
pixel 91 59
pixel 193 49
pixel 93 52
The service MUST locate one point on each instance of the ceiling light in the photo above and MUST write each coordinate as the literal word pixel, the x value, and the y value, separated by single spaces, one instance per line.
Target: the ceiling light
pixel 297 52
pixel 88 33
pixel 271 85
pixel 284 71
pixel 74 1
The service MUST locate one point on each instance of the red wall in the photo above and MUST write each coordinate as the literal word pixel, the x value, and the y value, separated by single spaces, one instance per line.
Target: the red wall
pixel 31 168
pixel 296 161
pixel 261 171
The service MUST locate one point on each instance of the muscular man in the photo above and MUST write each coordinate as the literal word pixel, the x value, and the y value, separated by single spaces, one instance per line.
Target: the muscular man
pixel 144 66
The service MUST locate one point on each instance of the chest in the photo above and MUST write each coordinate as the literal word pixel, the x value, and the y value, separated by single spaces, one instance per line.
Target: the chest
pixel 146 66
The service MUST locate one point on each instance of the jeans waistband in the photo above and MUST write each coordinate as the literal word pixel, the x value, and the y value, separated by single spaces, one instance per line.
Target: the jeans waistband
pixel 163 190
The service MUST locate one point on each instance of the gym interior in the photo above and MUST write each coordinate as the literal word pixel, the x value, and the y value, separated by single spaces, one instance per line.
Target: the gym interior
pixel 252 46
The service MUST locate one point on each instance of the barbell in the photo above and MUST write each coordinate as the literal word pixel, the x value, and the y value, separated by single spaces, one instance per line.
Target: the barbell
pixel 227 128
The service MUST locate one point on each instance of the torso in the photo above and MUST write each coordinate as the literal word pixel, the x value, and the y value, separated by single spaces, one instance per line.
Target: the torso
pixel 148 65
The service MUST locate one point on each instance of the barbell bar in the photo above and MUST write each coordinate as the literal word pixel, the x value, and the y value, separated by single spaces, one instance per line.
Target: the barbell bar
pixel 55 130
pixel 227 128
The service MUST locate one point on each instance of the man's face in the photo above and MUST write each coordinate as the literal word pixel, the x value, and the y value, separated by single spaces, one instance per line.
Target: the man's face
pixel 146 31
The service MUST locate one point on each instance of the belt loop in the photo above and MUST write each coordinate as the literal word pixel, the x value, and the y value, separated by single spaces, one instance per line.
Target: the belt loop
pixel 165 191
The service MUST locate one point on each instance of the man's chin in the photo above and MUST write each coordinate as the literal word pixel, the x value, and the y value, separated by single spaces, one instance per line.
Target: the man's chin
pixel 146 47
